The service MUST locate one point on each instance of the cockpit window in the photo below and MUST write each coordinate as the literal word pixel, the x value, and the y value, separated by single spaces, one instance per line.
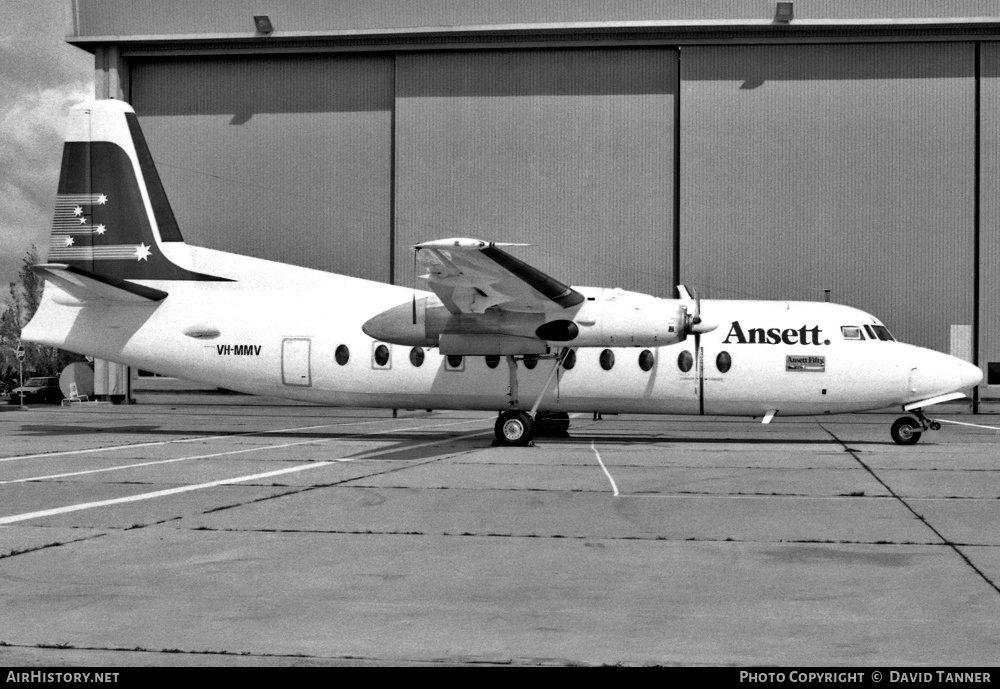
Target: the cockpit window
pixel 883 333
pixel 871 333
pixel 851 332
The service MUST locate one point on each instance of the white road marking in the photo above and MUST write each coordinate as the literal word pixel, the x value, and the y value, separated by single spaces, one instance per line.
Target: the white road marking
pixel 614 486
pixel 160 461
pixel 974 425
pixel 219 454
pixel 239 479
pixel 191 440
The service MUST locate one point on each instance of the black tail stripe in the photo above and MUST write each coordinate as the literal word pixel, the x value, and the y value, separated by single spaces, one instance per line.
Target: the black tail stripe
pixel 164 214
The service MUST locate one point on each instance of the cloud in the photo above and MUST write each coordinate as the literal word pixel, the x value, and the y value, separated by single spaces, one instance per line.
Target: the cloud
pixel 41 76
pixel 33 125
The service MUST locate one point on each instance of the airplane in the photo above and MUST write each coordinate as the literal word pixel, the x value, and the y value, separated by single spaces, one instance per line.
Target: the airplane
pixel 122 285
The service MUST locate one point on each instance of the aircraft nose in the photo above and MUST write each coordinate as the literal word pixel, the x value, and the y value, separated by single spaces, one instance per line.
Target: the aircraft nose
pixel 970 375
pixel 934 373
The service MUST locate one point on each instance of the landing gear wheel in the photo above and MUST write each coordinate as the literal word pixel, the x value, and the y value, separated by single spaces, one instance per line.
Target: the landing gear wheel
pixel 552 424
pixel 514 428
pixel 905 431
pixel 935 426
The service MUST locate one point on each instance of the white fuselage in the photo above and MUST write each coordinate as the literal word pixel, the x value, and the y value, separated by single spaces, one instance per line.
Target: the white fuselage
pixel 279 328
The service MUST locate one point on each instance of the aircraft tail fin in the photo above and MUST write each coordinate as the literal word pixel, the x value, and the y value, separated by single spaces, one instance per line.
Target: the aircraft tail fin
pixel 112 217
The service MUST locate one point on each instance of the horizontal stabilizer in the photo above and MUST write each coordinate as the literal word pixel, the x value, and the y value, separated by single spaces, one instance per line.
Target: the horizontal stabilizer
pixel 85 286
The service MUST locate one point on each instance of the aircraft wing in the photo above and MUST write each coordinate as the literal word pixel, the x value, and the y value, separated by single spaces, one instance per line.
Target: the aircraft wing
pixel 470 276
pixel 90 287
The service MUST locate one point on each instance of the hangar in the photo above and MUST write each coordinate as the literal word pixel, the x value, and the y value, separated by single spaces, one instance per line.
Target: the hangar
pixel 747 148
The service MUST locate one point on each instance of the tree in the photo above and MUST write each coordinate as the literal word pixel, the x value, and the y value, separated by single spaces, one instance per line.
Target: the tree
pixel 20 305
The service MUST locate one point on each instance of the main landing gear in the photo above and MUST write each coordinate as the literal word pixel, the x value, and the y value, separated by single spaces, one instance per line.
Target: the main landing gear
pixel 516 427
pixel 906 430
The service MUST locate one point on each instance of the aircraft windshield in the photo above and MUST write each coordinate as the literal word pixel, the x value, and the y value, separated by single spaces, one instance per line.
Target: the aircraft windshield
pixel 883 333
pixel 851 332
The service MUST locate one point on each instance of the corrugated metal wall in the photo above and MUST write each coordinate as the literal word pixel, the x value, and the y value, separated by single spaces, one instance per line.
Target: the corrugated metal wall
pixel 285 158
pixel 989 209
pixel 572 150
pixel 803 167
pixel 848 167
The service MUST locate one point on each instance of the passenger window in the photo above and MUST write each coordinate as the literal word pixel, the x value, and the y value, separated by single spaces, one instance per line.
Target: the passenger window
pixel 492 361
pixel 570 360
pixel 530 361
pixel 342 355
pixel 381 356
pixel 417 356
pixel 685 361
pixel 646 360
pixel 723 362
pixel 607 359
pixel 851 332
pixel 454 362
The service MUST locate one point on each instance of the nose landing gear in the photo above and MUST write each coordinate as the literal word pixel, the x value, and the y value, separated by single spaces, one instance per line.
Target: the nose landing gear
pixel 907 431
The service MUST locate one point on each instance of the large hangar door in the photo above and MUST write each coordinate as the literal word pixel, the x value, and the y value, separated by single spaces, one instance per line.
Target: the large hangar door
pixel 287 158
pixel 569 150
pixel 845 167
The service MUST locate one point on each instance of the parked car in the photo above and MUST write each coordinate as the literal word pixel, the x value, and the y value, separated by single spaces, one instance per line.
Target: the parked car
pixel 43 390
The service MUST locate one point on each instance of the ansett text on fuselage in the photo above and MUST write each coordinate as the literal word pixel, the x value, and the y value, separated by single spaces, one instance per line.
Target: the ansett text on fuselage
pixel 772 336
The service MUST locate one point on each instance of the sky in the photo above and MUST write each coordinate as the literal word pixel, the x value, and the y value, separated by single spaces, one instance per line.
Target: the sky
pixel 41 76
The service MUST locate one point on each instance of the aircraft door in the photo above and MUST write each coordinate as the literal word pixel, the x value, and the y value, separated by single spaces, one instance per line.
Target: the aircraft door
pixel 295 368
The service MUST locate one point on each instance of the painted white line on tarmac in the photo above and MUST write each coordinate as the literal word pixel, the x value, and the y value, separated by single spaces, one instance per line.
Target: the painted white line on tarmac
pixel 160 461
pixel 239 479
pixel 973 425
pixel 219 454
pixel 190 440
pixel 614 486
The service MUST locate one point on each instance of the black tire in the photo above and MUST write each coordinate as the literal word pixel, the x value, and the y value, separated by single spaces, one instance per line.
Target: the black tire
pixel 904 431
pixel 514 428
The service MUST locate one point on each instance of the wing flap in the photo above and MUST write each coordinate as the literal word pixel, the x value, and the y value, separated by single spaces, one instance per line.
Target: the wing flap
pixel 86 287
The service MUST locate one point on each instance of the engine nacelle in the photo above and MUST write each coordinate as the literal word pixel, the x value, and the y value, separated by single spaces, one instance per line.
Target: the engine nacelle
pixel 422 323
pixel 607 318
pixel 617 318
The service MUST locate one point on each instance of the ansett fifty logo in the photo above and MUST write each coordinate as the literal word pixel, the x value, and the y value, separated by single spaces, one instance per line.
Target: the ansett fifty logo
pixel 772 336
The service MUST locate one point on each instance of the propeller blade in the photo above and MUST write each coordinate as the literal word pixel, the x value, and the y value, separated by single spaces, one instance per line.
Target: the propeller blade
pixel 414 283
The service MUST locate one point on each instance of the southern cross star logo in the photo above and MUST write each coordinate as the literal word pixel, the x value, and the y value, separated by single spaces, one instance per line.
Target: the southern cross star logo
pixel 142 252
pixel 69 241
pixel 100 229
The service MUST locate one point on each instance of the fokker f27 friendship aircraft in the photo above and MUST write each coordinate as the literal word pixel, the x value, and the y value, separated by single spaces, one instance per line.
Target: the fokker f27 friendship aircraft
pixel 495 333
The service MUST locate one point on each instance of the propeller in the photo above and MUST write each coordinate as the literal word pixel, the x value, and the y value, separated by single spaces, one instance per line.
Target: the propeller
pixel 414 283
pixel 693 323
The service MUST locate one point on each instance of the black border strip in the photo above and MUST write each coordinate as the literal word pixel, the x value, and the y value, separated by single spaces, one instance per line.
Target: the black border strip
pixel 549 287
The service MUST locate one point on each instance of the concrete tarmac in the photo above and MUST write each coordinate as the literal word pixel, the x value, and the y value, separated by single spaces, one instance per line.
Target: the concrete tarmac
pixel 234 531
